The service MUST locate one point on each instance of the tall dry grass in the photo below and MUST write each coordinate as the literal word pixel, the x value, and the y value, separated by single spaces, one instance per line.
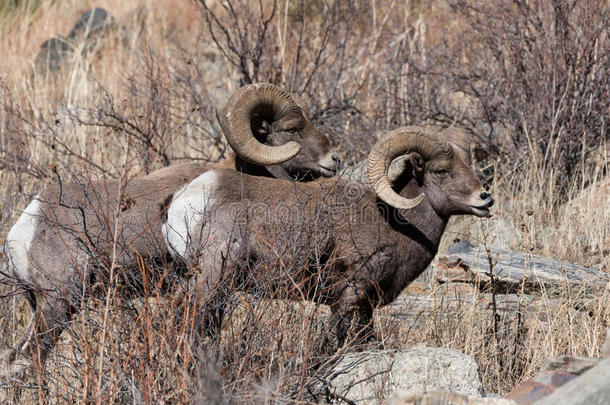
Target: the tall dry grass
pixel 149 94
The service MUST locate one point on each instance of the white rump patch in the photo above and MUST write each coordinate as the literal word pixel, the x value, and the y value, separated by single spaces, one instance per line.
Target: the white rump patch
pixel 186 212
pixel 20 238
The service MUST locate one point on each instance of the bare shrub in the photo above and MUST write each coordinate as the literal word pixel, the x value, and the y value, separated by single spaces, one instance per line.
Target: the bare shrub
pixel 539 72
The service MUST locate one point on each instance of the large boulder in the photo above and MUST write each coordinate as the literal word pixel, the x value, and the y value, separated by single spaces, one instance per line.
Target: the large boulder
pixel 553 375
pixel 53 54
pixel 592 387
pixel 415 397
pixel 371 377
pixel 568 380
pixel 92 26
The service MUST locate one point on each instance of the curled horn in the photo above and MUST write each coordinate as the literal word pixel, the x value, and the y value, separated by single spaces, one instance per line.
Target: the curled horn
pixel 236 122
pixel 396 143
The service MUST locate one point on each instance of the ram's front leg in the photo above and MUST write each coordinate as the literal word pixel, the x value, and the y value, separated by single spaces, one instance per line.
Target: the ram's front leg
pixel 353 312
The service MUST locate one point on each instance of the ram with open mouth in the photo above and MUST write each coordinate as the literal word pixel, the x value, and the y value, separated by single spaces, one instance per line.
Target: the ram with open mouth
pixel 349 245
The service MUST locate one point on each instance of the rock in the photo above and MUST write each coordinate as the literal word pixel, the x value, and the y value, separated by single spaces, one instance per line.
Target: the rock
pixel 592 387
pixel 370 377
pixel 53 54
pixel 415 397
pixel 91 25
pixel 497 230
pixel 567 364
pixel 513 270
pixel 56 52
pixel 411 308
pixel 554 374
pixel 458 289
pixel 416 288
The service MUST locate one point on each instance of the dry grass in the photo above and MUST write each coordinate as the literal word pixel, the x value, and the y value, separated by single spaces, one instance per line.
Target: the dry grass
pixel 149 95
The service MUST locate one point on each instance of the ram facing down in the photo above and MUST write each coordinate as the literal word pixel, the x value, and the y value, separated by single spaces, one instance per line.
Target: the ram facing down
pixel 347 245
pixel 65 238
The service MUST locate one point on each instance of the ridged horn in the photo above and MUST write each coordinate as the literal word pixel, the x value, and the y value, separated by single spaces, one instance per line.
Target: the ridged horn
pixel 396 143
pixel 243 106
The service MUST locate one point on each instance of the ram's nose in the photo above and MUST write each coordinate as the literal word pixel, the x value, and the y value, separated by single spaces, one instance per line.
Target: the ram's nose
pixel 330 164
pixel 488 200
pixel 336 161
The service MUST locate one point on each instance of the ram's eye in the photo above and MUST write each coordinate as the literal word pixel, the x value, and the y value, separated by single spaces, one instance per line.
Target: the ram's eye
pixel 292 130
pixel 442 172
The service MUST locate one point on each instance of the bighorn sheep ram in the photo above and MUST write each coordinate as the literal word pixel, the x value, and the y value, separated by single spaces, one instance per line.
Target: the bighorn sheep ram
pixel 70 230
pixel 334 242
pixel 271 135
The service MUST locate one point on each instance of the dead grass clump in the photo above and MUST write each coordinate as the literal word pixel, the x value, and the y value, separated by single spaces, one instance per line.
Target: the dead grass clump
pixel 511 343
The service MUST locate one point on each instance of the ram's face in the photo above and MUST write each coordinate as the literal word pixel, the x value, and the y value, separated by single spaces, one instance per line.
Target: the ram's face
pixel 453 188
pixel 316 157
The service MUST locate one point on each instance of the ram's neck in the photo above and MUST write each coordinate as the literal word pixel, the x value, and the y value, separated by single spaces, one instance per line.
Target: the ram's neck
pixel 250 168
pixel 425 220
pixel 421 223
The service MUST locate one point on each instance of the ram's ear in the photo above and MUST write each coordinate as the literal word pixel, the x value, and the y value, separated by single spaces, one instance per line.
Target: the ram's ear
pixel 397 168
pixel 264 129
pixel 417 165
pixel 406 166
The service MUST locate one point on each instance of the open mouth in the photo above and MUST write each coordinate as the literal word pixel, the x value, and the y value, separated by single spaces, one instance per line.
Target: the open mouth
pixel 327 172
pixel 482 210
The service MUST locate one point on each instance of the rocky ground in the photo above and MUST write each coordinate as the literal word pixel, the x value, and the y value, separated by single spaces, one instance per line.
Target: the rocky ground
pixel 513 282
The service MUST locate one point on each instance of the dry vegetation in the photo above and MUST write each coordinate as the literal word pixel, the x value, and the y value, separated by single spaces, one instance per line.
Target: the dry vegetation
pixel 530 80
